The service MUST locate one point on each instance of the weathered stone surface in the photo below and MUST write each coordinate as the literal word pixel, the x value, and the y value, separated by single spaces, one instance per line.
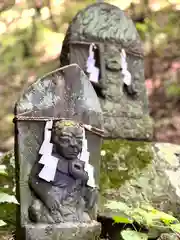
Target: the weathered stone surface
pixel 168 236
pixel 64 95
pixel 141 172
pixel 125 115
pixel 65 231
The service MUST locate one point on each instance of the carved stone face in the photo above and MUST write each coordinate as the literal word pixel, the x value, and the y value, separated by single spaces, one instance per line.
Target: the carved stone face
pixel 113 58
pixel 67 137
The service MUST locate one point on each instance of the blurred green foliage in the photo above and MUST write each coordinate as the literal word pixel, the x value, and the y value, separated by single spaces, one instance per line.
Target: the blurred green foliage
pixel 154 221
pixel 7 191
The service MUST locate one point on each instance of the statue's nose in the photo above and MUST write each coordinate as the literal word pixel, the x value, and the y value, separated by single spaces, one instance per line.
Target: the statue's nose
pixel 73 142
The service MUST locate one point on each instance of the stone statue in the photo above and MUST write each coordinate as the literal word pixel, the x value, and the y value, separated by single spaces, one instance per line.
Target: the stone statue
pixel 104 42
pixel 58 133
pixel 63 199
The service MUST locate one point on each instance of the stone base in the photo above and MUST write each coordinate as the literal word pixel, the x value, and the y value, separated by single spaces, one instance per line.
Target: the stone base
pixel 63 231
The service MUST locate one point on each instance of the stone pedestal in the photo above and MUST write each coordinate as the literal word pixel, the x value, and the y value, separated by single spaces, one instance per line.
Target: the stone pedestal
pixel 63 231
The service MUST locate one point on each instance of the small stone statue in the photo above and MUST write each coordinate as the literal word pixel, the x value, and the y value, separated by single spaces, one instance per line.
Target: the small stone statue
pixel 58 133
pixel 63 199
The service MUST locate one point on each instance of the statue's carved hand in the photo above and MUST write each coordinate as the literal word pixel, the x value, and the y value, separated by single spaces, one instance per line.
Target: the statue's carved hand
pixel 76 168
pixel 91 197
pixel 53 203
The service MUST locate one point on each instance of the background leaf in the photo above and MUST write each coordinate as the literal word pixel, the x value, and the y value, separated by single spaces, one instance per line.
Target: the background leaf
pixel 6 198
pixel 122 219
pixel 133 235
pixel 2 223
pixel 3 170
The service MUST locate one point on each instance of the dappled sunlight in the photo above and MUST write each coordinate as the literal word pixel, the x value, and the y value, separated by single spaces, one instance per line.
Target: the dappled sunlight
pixel 155 5
pixel 49 44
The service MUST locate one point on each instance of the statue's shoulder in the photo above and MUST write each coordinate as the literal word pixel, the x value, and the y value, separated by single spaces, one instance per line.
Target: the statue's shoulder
pixel 62 165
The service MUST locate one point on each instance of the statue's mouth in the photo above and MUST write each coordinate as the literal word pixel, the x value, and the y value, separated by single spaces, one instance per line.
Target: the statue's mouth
pixel 71 154
pixel 72 151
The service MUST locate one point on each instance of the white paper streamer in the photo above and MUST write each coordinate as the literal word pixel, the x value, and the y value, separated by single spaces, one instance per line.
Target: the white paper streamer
pixel 49 170
pixel 84 156
pixel 90 170
pixel 46 148
pixel 91 68
pixel 47 173
pixel 50 162
pixel 94 75
pixel 47 135
pixel 126 74
pixel 49 124
pixel 90 61
pixel 89 127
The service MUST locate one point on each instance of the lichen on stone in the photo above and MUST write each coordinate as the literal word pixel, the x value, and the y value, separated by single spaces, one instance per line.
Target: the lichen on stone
pixel 122 161
pixel 140 173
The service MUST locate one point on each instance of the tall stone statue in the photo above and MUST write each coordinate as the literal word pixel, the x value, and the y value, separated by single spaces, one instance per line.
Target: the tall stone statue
pixel 104 42
pixel 58 126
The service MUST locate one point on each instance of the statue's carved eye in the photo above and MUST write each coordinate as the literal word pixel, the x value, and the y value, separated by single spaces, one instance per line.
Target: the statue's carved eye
pixel 64 140
pixel 79 141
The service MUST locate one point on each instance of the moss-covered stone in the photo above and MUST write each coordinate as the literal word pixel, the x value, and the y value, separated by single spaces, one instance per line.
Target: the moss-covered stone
pixel 168 236
pixel 122 161
pixel 125 110
pixel 140 172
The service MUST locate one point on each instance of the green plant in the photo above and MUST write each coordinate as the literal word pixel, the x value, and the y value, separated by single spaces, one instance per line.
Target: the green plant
pixel 147 217
pixel 5 197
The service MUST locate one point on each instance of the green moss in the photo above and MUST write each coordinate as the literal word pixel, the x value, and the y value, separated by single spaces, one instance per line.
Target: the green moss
pixel 123 161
